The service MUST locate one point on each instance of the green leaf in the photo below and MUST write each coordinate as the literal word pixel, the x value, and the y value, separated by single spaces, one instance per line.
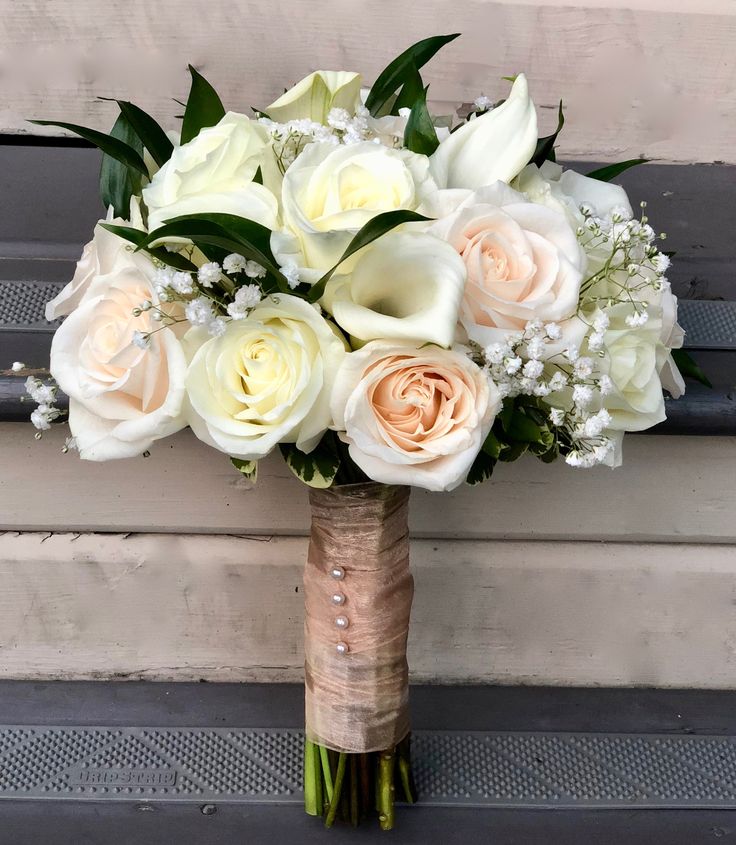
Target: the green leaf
pixel 258 176
pixel 611 171
pixel 399 70
pixel 420 136
pixel 248 468
pixel 512 451
pixel 204 107
pixel 128 233
pixel 523 429
pixel 411 91
pixel 506 414
pixel 118 182
pixel 150 133
pixel 550 455
pixel 318 468
pixel 372 230
pixel 492 446
pixel 109 144
pixel 228 231
pixel 137 237
pixel 689 369
pixel 482 468
pixel 545 150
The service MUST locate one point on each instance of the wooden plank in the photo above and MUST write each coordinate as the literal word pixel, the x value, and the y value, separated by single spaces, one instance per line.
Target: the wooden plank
pixel 667 70
pixel 224 608
pixel 669 489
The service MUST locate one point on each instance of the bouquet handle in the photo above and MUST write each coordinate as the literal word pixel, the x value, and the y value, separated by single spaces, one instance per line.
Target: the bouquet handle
pixel 358 594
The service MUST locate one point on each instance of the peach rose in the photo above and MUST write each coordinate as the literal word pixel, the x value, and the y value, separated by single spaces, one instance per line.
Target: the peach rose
pixel 523 262
pixel 122 396
pixel 412 415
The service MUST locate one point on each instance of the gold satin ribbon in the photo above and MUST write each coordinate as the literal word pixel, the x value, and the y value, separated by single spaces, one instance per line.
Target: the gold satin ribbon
pixel 358 701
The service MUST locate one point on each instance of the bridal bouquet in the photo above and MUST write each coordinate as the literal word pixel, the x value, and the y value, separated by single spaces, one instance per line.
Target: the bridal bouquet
pixel 388 299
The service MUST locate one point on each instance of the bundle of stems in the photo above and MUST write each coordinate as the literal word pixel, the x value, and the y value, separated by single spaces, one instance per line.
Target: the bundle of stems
pixel 350 787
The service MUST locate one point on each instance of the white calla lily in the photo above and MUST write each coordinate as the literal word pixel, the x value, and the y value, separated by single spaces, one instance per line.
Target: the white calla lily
pixel 316 95
pixel 407 285
pixel 494 146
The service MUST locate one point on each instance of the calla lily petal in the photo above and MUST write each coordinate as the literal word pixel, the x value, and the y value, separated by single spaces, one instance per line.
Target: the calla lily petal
pixel 407 285
pixel 496 145
pixel 316 95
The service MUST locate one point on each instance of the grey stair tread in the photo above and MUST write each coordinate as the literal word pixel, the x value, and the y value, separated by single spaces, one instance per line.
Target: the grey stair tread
pixel 474 747
pixel 468 769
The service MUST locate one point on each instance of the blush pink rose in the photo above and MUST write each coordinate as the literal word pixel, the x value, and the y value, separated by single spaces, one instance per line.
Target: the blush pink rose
pixel 122 396
pixel 523 262
pixel 415 416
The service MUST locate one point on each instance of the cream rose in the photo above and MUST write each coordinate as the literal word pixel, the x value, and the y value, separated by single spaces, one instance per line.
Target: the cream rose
pixel 213 173
pixel 494 146
pixel 266 380
pixel 405 285
pixel 567 190
pixel 633 358
pixel 523 262
pixel 329 192
pixel 316 95
pixel 412 415
pixel 99 256
pixel 122 397
pixel 671 337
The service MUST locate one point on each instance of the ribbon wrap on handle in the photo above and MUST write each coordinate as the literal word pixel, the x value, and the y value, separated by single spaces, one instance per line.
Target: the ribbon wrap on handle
pixel 358 701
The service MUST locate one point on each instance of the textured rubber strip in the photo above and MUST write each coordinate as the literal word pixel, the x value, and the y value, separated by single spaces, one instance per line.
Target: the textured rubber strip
pixel 452 768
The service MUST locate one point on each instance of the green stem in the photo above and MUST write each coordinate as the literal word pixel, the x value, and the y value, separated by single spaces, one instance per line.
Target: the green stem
pixel 326 771
pixel 386 789
pixel 365 784
pixel 405 772
pixel 310 788
pixel 319 797
pixel 339 777
pixel 354 814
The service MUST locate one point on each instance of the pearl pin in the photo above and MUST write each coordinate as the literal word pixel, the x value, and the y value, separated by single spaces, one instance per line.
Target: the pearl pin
pixel 338 598
pixel 337 572
pixel 342 648
pixel 342 622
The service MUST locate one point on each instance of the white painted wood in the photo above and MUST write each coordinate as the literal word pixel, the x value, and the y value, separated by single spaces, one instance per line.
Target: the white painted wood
pixel 638 76
pixel 669 489
pixel 224 608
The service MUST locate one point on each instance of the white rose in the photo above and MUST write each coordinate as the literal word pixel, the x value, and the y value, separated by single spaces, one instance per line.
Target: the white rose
pixel 213 173
pixel 523 262
pixel 633 359
pixel 266 380
pixel 671 337
pixel 121 397
pixel 493 146
pixel 412 415
pixel 405 285
pixel 330 192
pixel 99 256
pixel 390 128
pixel 567 190
pixel 316 95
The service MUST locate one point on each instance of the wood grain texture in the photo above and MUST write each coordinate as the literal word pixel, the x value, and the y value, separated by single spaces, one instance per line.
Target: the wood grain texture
pixel 670 489
pixel 224 608
pixel 668 70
